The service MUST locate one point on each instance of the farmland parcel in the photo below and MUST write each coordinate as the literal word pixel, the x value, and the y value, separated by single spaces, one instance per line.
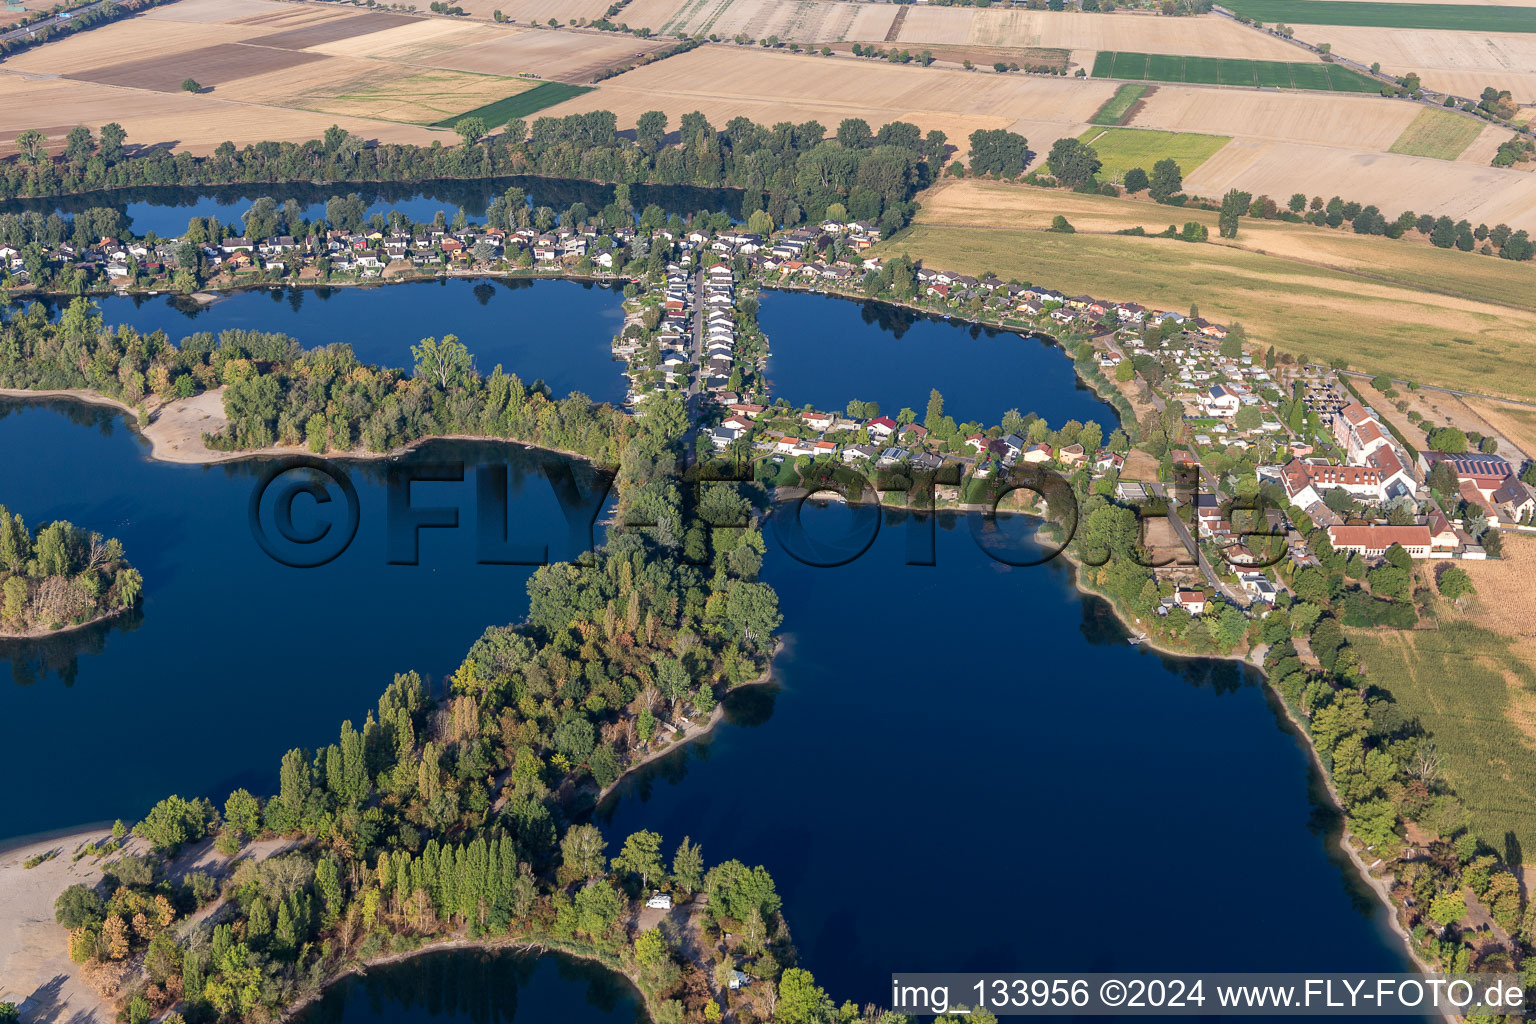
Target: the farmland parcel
pixel 1451 17
pixel 1120 149
pixel 1466 339
pixel 1256 74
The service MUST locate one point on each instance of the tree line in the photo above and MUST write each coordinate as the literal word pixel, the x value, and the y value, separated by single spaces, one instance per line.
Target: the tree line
pixel 793 170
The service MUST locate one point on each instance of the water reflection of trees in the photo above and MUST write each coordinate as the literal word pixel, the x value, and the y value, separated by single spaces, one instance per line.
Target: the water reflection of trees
pixel 37 659
pixel 473 197
pixel 477 986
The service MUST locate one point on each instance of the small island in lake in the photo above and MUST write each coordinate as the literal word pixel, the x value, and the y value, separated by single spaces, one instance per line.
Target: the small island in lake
pixel 61 577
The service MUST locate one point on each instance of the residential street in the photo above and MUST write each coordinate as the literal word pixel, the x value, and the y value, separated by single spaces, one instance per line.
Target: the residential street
pixel 1233 594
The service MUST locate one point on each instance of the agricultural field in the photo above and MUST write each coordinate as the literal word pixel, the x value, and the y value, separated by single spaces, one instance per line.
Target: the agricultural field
pixel 287 71
pixel 1484 726
pixel 1203 70
pixel 770 86
pixel 804 21
pixel 1457 189
pixel 524 12
pixel 1435 315
pixel 1120 149
pixel 522 104
pixel 426 97
pixel 1355 122
pixel 1437 133
pixel 1085 33
pixel 1117 109
pixel 1462 63
pixel 1440 16
pixel 1516 422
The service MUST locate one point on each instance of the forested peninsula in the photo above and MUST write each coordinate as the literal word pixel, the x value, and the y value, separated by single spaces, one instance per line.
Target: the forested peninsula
pixel 455 812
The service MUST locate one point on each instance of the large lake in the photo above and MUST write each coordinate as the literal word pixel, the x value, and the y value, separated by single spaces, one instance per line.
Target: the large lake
pixel 165 209
pixel 558 331
pixel 965 765
pixel 826 351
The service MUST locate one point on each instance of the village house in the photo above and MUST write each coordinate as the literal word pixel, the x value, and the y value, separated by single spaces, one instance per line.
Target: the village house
pixel 1373 541
pixel 1486 473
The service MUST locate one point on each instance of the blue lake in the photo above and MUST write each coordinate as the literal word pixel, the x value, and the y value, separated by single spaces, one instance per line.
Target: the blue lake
pixel 967 766
pixel 486 988
pixel 826 351
pixel 165 210
pixel 558 331
pixel 964 766
pixel 237 656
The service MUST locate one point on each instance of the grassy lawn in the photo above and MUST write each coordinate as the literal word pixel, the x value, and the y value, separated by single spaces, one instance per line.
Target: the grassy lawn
pixel 1123 148
pixel 545 94
pixel 1372 301
pixel 1115 108
pixel 1471 694
pixel 1462 17
pixel 1437 133
pixel 1159 67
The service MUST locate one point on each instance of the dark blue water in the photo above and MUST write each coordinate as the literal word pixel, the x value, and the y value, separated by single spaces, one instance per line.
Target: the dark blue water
pixel 237 658
pixel 826 351
pixel 165 210
pixel 487 988
pixel 966 766
pixel 558 331
pixel 968 769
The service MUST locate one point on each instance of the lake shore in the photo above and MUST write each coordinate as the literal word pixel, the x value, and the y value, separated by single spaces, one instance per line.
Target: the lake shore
pixel 175 431
pixel 34 953
pixel 694 730
pixel 1380 886
pixel 43 634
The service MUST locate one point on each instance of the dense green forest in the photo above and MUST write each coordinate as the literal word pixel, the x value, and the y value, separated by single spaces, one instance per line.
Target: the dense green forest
pixel 794 171
pixel 60 575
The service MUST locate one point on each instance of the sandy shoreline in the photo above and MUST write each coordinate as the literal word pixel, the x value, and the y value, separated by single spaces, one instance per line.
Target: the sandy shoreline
pixel 34 958
pixel 695 730
pixel 175 431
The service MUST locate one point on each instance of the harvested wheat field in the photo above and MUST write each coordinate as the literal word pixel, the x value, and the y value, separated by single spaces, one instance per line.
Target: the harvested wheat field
pixel 554 56
pixel 1434 315
pixel 1503 596
pixel 1463 62
pixel 1515 422
pixel 804 21
pixel 1358 122
pixel 196 124
pixel 728 81
pixel 287 71
pixel 1211 35
pixel 525 11
pixel 1458 189
pixel 1411 261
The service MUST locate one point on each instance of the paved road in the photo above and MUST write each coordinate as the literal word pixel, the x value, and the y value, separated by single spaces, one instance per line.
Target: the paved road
pixel 34 28
pixel 1233 594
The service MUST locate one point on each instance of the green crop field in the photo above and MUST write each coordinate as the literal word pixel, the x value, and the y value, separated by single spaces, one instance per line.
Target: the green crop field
pixel 1117 106
pixel 1437 133
pixel 1456 17
pixel 1456 680
pixel 1159 67
pixel 545 94
pixel 1120 149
